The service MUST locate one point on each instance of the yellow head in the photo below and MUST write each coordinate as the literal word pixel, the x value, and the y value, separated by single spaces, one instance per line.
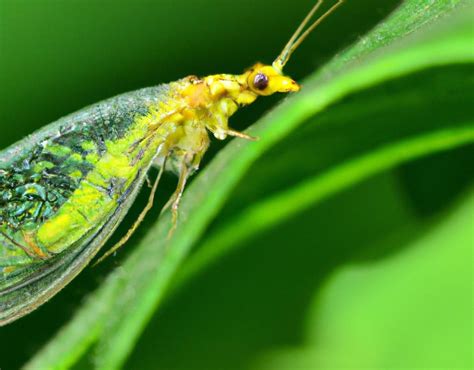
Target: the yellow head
pixel 264 80
pixel 259 80
pixel 222 94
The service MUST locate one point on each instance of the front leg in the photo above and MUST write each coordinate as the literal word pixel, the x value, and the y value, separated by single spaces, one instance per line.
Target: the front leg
pixel 218 123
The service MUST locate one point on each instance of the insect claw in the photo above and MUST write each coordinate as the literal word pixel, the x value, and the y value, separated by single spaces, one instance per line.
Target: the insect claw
pixel 241 135
pixel 174 221
pixel 148 182
pixel 174 215
pixel 167 205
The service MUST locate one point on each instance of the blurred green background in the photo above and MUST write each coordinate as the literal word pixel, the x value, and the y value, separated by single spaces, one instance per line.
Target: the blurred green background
pixel 378 276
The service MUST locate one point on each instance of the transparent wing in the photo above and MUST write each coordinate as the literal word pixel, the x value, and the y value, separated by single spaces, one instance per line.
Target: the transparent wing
pixel 40 175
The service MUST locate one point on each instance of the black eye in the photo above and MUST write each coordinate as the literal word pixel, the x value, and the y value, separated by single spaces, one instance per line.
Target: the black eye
pixel 260 81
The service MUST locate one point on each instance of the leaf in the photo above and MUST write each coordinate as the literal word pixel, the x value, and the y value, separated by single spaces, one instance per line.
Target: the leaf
pixel 435 271
pixel 413 39
pixel 262 216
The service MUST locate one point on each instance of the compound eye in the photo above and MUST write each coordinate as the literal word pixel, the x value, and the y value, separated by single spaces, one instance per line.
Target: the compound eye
pixel 260 81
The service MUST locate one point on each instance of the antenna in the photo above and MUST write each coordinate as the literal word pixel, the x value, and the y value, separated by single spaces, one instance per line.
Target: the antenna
pixel 299 36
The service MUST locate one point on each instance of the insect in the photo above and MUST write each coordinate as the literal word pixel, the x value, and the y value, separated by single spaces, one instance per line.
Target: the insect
pixel 65 188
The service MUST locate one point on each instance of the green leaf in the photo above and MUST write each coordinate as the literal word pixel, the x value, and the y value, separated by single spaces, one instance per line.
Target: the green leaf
pixel 261 216
pixel 420 36
pixel 358 333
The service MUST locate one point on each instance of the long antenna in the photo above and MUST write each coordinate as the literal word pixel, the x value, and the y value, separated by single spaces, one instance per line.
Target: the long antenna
pixel 298 37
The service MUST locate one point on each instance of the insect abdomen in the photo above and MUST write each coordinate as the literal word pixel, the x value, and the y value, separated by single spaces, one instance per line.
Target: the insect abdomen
pixel 62 180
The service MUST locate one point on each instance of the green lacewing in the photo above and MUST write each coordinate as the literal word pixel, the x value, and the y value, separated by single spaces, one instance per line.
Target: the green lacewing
pixel 65 188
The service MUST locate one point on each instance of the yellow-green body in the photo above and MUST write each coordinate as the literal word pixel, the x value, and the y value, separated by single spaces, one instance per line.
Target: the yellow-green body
pixel 103 153
pixel 176 127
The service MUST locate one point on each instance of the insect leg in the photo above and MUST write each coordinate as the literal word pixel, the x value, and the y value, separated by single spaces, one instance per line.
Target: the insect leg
pixel 139 220
pixel 242 135
pixel 175 199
